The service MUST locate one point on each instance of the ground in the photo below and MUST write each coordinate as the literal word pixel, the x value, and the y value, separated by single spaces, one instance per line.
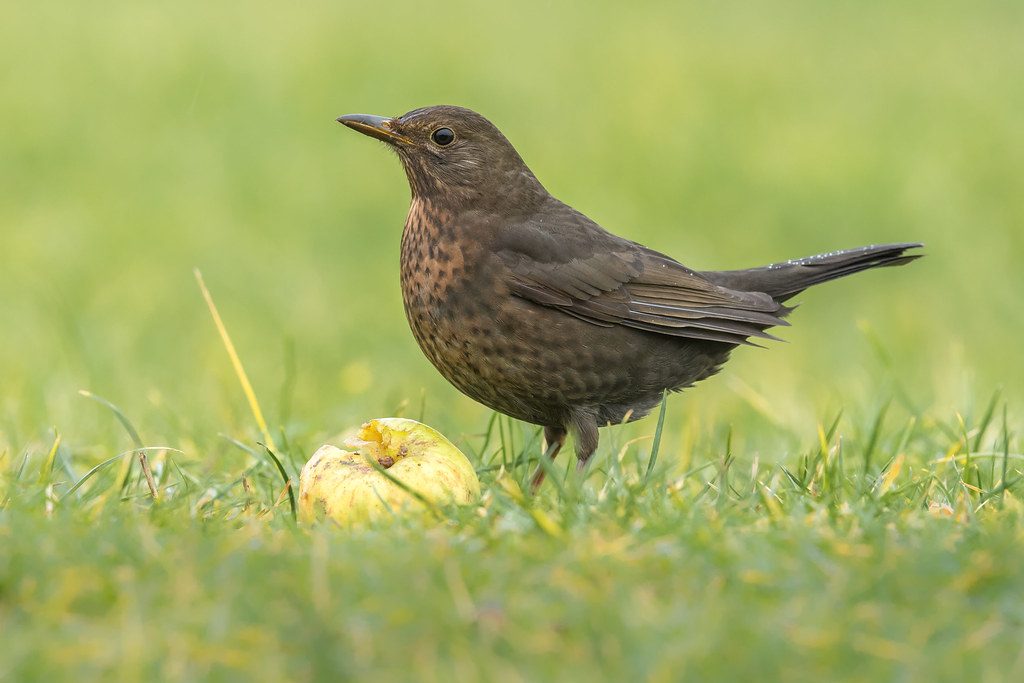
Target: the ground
pixel 843 506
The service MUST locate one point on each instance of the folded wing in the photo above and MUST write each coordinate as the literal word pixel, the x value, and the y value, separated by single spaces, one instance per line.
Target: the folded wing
pixel 577 267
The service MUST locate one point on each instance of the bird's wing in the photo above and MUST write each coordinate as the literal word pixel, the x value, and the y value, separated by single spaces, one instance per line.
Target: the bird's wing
pixel 570 263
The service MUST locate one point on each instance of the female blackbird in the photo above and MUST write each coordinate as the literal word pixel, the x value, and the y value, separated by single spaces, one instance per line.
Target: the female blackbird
pixel 531 308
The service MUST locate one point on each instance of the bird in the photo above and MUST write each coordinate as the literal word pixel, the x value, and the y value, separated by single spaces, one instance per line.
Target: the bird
pixel 531 308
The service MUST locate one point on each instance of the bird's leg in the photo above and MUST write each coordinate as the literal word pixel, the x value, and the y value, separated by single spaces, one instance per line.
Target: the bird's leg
pixel 585 431
pixel 554 439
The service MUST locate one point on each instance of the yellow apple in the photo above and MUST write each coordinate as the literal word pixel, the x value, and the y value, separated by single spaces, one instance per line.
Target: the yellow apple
pixel 341 483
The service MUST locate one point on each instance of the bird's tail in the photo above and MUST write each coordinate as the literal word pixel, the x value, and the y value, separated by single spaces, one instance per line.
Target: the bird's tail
pixel 784 280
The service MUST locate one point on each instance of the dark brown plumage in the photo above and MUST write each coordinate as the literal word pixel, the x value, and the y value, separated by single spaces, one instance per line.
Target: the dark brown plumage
pixel 531 308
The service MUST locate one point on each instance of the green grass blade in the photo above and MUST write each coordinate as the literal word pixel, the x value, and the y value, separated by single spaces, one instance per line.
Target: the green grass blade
pixel 236 362
pixel 284 477
pixel 88 475
pixel 987 418
pixel 46 469
pixel 121 417
pixel 876 432
pixel 1006 454
pixel 656 446
pixel 551 472
pixel 124 476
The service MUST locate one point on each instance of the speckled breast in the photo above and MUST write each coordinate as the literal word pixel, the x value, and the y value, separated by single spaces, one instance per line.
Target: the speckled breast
pixel 459 314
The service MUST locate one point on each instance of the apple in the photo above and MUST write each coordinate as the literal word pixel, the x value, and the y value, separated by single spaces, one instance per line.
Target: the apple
pixel 341 483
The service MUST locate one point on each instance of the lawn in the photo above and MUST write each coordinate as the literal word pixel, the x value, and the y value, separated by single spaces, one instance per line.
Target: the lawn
pixel 846 505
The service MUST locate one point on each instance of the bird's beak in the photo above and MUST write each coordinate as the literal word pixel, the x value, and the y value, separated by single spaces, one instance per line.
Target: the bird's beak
pixel 375 126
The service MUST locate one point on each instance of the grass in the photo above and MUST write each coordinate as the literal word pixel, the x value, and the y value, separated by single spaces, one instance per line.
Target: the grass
pixel 845 506
pixel 877 553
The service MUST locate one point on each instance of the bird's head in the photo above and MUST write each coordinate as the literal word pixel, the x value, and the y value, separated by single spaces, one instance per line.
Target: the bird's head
pixel 453 154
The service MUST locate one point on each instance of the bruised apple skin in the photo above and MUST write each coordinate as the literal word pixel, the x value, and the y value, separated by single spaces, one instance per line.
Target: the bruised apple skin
pixel 339 483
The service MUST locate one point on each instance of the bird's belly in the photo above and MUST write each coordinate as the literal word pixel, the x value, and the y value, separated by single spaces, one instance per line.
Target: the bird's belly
pixel 467 340
pixel 537 364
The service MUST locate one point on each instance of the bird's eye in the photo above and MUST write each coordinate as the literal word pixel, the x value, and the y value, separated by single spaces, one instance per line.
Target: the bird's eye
pixel 443 136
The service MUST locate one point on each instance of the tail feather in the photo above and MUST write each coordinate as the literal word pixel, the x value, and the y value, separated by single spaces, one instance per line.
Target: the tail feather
pixel 782 281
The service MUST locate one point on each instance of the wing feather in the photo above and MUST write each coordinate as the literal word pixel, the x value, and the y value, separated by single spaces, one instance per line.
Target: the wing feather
pixel 572 264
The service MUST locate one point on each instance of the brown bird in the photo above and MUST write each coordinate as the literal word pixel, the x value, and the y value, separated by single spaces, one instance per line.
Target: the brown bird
pixel 531 308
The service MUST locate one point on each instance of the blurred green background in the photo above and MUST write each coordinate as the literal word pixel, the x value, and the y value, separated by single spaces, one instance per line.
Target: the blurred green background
pixel 140 140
